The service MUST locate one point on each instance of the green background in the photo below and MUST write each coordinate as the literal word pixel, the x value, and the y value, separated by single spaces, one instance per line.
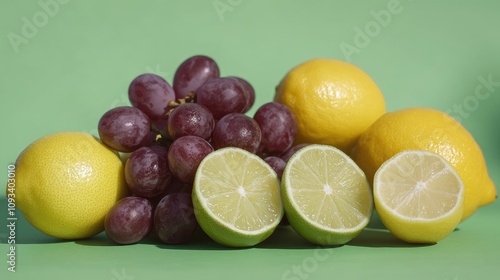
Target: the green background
pixel 78 57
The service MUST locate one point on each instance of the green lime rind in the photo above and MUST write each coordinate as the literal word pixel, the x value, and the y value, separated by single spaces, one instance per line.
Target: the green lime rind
pixel 222 234
pixel 314 234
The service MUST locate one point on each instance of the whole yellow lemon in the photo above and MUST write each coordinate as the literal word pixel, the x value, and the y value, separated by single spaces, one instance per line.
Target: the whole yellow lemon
pixel 434 131
pixel 333 102
pixel 67 182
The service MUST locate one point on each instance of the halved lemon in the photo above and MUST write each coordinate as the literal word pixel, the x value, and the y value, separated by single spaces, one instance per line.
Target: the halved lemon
pixel 418 196
pixel 236 197
pixel 326 196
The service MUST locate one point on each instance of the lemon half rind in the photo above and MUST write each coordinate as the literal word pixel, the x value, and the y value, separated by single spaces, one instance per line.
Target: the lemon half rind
pixel 417 229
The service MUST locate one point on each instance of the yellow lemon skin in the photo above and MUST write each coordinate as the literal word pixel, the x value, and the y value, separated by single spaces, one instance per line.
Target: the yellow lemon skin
pixel 430 130
pixel 67 182
pixel 418 231
pixel 333 102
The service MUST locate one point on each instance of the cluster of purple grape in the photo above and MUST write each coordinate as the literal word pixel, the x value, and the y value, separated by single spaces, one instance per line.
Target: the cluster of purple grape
pixel 168 131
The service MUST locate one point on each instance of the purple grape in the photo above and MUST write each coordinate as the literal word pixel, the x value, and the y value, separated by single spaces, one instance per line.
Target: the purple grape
pixel 175 186
pixel 174 219
pixel 151 94
pixel 193 73
pixel 237 130
pixel 289 153
pixel 185 155
pixel 191 119
pixel 250 93
pixel 147 172
pixel 124 129
pixel 129 220
pixel 159 126
pixel 222 96
pixel 277 164
pixel 278 126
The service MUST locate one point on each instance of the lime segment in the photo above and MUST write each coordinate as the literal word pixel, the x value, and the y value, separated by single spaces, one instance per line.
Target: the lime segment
pixel 326 196
pixel 236 197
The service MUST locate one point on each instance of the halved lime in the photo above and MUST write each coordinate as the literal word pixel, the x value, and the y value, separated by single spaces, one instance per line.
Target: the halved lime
pixel 236 197
pixel 326 196
pixel 418 196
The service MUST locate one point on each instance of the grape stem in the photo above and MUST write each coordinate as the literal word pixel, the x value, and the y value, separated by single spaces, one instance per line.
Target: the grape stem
pixel 190 98
pixel 163 140
pixel 162 137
